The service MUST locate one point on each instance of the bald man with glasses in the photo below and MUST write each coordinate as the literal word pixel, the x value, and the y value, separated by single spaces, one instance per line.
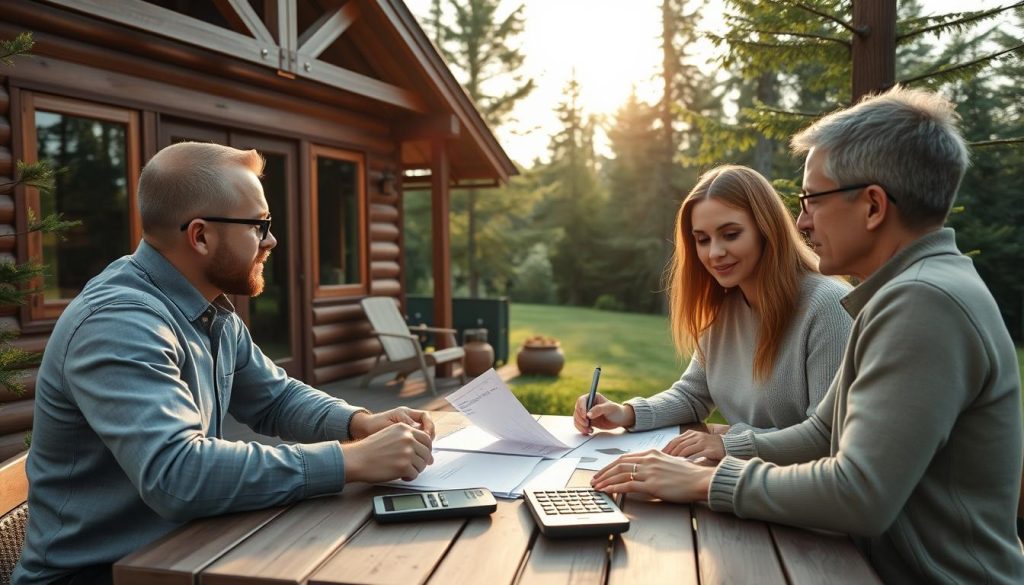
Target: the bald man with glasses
pixel 143 366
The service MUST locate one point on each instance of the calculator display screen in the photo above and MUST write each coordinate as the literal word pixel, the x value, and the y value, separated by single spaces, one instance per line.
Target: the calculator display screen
pixel 402 503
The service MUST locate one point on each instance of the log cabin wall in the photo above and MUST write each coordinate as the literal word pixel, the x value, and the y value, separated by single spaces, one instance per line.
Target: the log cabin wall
pixel 335 341
pixel 15 408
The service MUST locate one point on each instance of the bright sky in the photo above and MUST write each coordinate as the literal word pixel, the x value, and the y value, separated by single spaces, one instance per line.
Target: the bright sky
pixel 612 46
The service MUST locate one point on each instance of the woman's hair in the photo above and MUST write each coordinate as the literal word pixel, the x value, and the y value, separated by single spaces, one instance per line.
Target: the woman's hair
pixel 695 297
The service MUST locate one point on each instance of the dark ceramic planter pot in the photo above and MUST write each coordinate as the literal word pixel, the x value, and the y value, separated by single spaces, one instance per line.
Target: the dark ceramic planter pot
pixel 540 360
pixel 479 357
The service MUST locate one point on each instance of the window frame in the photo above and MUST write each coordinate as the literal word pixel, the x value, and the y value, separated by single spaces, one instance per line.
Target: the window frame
pixel 316 151
pixel 38 309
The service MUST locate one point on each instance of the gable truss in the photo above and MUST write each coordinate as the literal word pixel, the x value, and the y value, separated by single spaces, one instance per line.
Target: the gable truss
pixel 292 54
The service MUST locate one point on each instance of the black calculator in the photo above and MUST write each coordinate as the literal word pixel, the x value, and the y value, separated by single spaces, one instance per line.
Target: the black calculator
pixel 575 512
pixel 408 507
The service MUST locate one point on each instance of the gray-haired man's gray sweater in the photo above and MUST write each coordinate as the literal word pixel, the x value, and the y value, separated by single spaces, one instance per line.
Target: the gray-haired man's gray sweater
pixel 917 448
pixel 804 367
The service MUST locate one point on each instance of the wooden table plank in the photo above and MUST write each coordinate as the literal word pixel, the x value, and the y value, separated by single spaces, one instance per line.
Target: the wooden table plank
pixel 731 550
pixel 177 558
pixel 575 561
pixel 489 549
pixel 658 547
pixel 390 554
pixel 821 557
pixel 310 532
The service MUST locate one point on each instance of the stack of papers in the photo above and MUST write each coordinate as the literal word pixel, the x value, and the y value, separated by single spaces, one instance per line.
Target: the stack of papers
pixel 507 450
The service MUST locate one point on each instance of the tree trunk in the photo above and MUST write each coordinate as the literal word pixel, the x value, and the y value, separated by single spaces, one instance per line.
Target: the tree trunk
pixel 764 152
pixel 874 47
pixel 665 184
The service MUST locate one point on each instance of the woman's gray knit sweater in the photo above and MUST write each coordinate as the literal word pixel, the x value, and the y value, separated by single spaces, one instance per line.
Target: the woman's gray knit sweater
pixel 804 367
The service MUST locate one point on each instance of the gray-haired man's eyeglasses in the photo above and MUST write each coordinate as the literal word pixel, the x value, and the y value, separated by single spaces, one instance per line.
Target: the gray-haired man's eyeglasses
pixel 263 223
pixel 803 197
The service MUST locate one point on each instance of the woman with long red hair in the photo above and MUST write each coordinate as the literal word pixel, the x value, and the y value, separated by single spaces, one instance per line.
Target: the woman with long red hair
pixel 765 330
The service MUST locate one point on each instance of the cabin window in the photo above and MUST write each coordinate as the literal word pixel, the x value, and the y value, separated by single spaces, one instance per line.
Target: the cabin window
pixel 94 149
pixel 339 227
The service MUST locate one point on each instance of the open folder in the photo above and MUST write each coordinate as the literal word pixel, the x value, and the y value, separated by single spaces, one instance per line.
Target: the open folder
pixel 501 423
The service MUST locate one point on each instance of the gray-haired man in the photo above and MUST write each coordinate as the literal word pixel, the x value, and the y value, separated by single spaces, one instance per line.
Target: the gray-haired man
pixel 917 448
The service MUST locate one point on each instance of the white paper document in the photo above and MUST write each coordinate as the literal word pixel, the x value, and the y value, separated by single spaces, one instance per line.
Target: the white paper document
pixel 606 446
pixel 502 425
pixel 550 474
pixel 502 474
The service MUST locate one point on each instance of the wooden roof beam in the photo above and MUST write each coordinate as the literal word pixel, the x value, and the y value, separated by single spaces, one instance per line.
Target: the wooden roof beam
pixel 167 23
pixel 327 29
pixel 282 55
pixel 243 18
pixel 439 127
pixel 362 85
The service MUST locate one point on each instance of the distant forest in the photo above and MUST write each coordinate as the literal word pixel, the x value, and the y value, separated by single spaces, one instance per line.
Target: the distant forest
pixel 588 230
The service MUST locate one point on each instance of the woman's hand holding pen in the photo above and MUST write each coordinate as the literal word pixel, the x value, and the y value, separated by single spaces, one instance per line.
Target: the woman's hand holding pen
pixel 604 414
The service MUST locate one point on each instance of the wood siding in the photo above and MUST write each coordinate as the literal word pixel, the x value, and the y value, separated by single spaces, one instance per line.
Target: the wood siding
pixel 336 342
pixel 15 409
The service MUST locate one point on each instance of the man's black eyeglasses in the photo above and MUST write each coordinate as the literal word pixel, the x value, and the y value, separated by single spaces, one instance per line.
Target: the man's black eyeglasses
pixel 805 196
pixel 263 223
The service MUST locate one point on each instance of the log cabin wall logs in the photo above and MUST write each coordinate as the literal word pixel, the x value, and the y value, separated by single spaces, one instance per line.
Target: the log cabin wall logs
pixel 336 342
pixel 15 408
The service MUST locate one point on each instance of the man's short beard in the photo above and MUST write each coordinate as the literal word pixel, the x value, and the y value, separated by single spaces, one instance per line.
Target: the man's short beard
pixel 231 275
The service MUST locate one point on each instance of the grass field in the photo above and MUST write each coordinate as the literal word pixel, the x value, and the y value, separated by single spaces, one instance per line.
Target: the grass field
pixel 634 351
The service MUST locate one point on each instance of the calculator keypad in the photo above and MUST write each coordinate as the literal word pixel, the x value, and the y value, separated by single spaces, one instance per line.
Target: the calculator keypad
pixel 572 502
pixel 575 512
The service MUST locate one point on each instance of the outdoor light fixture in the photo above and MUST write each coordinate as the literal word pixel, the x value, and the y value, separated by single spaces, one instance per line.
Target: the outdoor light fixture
pixel 386 183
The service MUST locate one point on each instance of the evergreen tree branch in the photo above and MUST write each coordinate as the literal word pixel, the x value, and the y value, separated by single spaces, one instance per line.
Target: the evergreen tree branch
pixel 764 45
pixel 767 108
pixel 961 67
pixel 997 142
pixel 13 362
pixel 843 42
pixel 19 45
pixel 821 13
pixel 40 175
pixel 968 18
pixel 12 277
pixel 51 224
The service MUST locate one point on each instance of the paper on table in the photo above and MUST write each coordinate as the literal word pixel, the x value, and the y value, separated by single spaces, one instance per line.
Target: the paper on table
pixel 506 426
pixel 550 474
pixel 606 446
pixel 563 429
pixel 459 470
pixel 473 438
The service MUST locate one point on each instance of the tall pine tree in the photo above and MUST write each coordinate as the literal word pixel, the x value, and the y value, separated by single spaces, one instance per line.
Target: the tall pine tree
pixel 573 202
pixel 479 45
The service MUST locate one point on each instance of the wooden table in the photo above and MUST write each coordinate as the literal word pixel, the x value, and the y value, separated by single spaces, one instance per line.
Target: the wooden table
pixel 332 539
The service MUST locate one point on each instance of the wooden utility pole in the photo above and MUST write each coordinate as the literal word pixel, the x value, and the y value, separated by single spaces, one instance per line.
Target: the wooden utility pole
pixel 874 46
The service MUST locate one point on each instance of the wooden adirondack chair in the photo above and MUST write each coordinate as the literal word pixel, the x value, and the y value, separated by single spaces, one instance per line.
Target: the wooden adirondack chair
pixel 13 513
pixel 402 349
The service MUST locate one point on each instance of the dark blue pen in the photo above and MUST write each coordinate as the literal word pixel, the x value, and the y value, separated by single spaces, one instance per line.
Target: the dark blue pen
pixel 593 391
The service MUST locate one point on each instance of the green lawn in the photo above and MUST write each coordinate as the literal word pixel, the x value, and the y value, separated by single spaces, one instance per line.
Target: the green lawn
pixel 634 351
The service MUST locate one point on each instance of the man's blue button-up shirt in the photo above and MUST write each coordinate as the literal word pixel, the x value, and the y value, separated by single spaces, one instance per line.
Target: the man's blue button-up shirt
pixel 130 399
